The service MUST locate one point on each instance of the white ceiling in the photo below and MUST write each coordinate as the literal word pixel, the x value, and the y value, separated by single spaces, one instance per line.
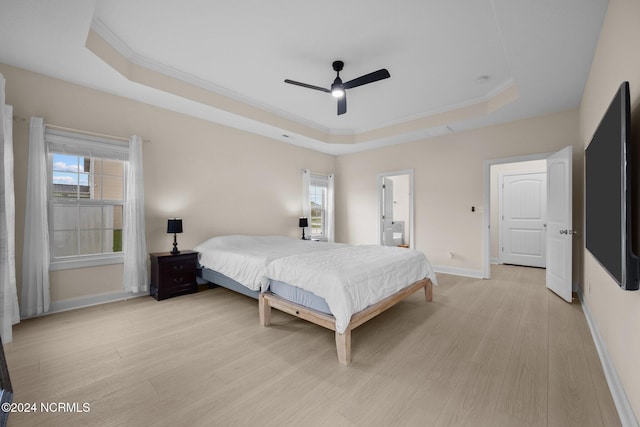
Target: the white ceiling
pixel 443 56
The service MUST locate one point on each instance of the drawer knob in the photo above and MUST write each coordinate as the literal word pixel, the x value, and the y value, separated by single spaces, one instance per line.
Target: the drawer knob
pixel 178 280
pixel 178 267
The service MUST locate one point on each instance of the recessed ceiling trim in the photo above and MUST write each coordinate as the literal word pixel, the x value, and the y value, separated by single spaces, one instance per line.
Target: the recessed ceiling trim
pixel 100 31
pixel 500 97
pixel 508 86
pixel 107 46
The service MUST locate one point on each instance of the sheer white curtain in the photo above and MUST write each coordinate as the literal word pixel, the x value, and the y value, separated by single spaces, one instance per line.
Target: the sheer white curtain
pixel 331 211
pixel 306 199
pixel 9 311
pixel 134 246
pixel 35 256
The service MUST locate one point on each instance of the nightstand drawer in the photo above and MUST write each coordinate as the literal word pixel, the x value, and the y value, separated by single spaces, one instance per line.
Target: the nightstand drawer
pixel 176 277
pixel 173 275
pixel 177 269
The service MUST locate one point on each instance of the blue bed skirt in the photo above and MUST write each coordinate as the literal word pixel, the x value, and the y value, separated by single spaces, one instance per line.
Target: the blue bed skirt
pixel 284 290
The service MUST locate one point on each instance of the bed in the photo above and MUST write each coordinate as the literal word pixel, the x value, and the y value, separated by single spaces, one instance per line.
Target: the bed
pixel 334 285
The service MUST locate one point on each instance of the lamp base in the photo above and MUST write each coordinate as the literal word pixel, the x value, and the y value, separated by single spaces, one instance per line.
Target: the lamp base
pixel 175 250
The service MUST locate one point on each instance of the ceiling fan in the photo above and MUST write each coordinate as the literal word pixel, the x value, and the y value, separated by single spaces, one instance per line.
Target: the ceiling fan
pixel 338 88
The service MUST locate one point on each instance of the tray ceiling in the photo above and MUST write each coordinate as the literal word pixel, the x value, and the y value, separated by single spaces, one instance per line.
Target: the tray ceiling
pixel 454 65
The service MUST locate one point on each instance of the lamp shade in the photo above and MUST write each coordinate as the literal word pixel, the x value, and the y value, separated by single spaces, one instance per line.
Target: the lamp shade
pixel 174 225
pixel 303 222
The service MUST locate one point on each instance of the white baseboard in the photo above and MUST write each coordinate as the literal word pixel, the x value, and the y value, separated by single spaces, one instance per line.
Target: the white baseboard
pixel 72 304
pixel 625 411
pixel 477 274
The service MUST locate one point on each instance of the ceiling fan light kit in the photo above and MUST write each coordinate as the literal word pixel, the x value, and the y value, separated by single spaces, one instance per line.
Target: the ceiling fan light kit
pixel 338 89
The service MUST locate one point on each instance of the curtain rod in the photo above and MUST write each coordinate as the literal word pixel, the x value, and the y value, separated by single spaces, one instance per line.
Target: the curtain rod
pixel 24 120
pixel 85 132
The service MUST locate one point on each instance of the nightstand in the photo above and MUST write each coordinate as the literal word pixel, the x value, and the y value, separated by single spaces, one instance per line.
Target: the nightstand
pixel 173 275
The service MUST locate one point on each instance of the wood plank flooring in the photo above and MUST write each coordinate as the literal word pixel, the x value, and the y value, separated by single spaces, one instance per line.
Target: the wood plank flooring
pixel 499 352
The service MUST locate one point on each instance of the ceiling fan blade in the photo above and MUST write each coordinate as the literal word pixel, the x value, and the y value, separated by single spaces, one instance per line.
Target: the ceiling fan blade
pixel 367 78
pixel 307 86
pixel 342 104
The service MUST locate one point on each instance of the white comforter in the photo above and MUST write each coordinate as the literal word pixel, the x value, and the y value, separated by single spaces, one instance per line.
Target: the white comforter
pixel 245 258
pixel 349 278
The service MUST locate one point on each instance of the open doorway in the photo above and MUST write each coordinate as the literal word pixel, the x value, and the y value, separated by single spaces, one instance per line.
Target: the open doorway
pixel 491 224
pixel 559 232
pixel 395 208
pixel 518 213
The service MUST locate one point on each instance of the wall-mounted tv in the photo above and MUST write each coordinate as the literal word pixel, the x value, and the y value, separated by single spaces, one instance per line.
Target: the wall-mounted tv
pixel 608 195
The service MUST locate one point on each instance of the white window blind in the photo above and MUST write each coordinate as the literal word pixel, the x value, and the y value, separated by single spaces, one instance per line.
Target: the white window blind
pixel 86 196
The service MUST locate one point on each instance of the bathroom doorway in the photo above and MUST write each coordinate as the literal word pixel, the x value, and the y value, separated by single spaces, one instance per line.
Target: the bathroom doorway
pixel 395 208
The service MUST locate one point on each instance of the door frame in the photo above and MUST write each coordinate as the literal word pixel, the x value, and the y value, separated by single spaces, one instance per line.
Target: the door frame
pixel 486 217
pixel 379 178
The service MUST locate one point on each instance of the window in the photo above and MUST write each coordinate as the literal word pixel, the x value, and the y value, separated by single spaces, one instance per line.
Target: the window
pixel 86 199
pixel 318 200
pixel 318 204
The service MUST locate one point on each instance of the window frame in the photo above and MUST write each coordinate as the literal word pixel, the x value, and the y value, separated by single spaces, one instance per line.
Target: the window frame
pixel 321 181
pixel 92 147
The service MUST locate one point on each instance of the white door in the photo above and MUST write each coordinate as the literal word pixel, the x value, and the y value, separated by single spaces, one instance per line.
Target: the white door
pixel 523 218
pixel 559 223
pixel 387 213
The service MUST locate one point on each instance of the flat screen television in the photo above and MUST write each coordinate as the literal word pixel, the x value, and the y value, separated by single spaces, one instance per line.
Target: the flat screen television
pixel 608 193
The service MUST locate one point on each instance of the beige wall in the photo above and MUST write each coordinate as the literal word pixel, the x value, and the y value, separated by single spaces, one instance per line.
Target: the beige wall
pixel 219 180
pixel 448 182
pixel 616 313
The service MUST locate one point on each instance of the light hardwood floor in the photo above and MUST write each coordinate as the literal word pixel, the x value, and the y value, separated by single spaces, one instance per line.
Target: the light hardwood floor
pixel 499 352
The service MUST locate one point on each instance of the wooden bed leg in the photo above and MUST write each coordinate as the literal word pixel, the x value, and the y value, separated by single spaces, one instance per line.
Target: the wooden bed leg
pixel 343 345
pixel 428 291
pixel 264 310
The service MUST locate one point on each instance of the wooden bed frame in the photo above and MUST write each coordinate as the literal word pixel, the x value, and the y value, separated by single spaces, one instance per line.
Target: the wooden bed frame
pixel 269 300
